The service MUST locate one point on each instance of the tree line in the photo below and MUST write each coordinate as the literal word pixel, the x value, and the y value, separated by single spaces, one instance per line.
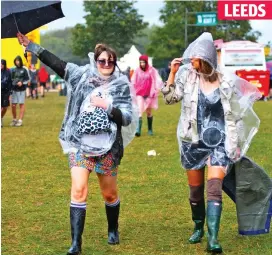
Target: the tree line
pixel 119 25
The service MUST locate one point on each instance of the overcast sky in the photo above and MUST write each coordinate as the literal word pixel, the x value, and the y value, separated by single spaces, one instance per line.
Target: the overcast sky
pixel 73 11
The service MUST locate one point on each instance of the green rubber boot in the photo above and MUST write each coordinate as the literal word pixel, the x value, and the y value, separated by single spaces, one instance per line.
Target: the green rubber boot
pixel 213 221
pixel 139 127
pixel 149 123
pixel 198 216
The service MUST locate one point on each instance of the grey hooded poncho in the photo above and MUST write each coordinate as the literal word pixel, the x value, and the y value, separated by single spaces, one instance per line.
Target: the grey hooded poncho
pixel 246 183
pixel 236 95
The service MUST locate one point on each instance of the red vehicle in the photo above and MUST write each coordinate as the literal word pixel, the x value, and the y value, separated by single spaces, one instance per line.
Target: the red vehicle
pixel 259 78
pixel 247 60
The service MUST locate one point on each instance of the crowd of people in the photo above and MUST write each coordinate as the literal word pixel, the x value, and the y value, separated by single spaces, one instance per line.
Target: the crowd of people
pixel 19 83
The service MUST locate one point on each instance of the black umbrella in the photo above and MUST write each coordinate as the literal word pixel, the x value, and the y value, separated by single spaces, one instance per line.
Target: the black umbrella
pixel 25 16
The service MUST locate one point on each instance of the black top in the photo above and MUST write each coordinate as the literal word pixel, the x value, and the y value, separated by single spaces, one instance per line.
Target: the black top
pixel 6 82
pixel 19 74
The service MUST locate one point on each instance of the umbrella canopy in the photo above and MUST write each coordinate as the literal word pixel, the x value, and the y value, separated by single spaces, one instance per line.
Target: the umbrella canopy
pixel 25 16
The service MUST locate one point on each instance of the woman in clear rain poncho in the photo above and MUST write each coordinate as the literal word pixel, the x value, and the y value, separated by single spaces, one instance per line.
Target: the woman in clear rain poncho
pixel 147 83
pixel 215 129
pixel 100 119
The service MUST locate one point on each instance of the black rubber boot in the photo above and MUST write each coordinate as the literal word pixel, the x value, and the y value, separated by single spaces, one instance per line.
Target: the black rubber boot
pixel 139 127
pixel 77 220
pixel 198 216
pixel 149 123
pixel 213 221
pixel 112 217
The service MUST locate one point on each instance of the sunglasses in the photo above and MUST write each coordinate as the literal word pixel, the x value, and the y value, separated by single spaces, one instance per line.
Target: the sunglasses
pixel 104 62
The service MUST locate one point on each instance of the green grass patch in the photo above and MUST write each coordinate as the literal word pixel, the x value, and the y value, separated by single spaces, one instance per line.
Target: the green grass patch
pixel 155 215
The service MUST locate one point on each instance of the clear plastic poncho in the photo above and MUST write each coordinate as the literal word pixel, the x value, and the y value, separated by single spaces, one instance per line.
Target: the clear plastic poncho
pixel 214 129
pixel 84 82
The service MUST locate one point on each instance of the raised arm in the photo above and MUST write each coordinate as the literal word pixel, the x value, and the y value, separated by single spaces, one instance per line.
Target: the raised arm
pixel 44 55
pixel 173 89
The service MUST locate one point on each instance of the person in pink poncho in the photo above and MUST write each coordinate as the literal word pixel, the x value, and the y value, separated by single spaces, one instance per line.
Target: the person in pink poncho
pixel 147 84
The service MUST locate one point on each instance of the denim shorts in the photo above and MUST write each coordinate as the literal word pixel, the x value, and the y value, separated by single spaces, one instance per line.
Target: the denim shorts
pixel 18 97
pixel 101 164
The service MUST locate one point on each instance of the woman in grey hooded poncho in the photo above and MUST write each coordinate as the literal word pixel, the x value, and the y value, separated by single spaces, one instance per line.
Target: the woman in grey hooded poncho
pixel 216 127
pixel 99 121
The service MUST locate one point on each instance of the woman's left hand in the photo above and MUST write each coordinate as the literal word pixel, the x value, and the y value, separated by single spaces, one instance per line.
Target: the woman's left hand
pixel 99 102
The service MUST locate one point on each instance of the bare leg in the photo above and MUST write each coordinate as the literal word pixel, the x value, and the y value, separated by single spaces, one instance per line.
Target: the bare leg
pixel 108 187
pixel 42 91
pixel 22 111
pixel 140 103
pixel 13 109
pixel 79 192
pixel 149 112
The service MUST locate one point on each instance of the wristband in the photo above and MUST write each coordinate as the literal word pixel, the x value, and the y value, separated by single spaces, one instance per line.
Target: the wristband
pixel 34 48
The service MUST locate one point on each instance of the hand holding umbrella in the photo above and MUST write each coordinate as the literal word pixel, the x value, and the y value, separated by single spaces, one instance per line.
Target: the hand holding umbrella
pixel 26 16
pixel 23 39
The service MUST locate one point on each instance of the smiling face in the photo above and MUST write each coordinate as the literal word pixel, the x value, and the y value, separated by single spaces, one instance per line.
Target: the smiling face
pixel 105 64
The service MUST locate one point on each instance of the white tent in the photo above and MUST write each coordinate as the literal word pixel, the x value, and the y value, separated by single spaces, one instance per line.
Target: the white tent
pixel 131 59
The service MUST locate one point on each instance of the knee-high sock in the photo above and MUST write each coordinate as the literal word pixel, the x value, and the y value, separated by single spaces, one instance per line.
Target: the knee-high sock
pixel 112 211
pixel 196 193
pixel 214 190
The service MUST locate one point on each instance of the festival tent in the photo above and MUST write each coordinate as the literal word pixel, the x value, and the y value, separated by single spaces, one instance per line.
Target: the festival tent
pixel 131 59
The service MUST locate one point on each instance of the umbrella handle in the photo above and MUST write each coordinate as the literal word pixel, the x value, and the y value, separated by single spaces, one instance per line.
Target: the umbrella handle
pixel 15 21
pixel 25 53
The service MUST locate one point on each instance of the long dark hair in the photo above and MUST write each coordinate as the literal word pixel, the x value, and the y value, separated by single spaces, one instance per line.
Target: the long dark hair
pixel 206 68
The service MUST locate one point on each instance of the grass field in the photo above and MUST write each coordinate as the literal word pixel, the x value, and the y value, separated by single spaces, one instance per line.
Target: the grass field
pixel 155 214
